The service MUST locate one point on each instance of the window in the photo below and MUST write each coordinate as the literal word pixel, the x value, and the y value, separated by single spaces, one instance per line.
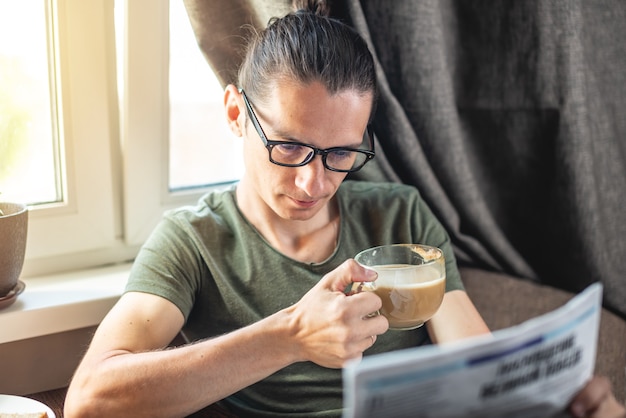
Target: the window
pixel 148 188
pixel 122 139
pixel 200 142
pixel 29 147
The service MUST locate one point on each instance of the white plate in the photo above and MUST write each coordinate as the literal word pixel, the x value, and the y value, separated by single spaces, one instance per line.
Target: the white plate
pixel 19 404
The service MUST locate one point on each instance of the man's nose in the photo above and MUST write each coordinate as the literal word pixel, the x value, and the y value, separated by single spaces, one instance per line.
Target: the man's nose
pixel 311 177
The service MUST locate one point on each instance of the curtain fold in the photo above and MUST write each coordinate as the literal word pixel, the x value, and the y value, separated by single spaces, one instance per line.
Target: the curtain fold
pixel 419 73
pixel 507 116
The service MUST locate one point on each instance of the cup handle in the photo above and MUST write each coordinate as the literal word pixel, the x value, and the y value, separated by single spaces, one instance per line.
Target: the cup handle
pixel 358 287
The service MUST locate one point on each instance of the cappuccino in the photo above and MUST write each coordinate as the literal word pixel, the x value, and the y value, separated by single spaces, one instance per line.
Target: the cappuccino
pixel 410 295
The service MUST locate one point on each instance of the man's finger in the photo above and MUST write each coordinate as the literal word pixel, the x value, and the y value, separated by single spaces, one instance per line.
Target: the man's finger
pixel 348 272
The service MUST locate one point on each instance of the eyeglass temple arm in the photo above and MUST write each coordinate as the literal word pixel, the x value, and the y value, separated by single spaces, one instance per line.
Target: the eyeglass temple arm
pixel 253 117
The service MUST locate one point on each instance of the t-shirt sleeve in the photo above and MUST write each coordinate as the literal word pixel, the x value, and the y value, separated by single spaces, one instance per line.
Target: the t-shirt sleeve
pixel 168 265
pixel 434 234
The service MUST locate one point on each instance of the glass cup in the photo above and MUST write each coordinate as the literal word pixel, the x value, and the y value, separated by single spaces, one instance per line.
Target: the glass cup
pixel 411 282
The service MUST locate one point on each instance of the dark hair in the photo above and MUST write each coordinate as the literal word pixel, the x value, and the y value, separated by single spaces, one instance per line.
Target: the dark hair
pixel 306 46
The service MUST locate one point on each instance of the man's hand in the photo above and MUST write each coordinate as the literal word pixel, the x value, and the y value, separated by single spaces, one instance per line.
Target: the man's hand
pixel 596 400
pixel 330 327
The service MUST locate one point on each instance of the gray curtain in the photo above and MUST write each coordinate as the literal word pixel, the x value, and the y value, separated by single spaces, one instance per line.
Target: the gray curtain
pixel 506 115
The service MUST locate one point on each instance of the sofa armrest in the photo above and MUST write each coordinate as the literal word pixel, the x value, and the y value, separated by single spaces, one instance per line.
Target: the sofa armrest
pixel 504 301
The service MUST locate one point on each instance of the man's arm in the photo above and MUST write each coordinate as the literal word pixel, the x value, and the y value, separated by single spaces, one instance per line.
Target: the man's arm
pixel 128 372
pixel 457 318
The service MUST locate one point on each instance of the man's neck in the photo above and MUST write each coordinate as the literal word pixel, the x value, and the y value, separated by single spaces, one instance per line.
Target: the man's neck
pixel 309 241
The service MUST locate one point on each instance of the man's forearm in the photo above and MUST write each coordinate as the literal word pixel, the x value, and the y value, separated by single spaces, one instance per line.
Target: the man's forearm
pixel 178 381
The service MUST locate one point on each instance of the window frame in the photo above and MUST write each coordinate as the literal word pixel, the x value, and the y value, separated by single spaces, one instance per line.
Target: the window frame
pixel 114 142
pixel 146 120
pixel 84 97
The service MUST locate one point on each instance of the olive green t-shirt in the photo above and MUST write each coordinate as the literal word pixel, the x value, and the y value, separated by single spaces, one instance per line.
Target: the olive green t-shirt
pixel 223 275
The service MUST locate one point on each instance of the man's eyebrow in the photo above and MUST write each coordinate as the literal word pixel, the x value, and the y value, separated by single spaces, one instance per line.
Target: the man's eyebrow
pixel 286 136
pixel 279 134
pixel 272 132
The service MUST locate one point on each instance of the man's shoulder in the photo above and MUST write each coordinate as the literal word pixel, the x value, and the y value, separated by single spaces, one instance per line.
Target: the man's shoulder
pixel 358 187
pixel 371 197
pixel 216 203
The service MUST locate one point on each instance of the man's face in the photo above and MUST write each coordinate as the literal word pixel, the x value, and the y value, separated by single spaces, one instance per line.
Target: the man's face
pixel 307 114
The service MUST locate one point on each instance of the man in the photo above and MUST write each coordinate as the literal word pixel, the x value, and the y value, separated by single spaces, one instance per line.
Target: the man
pixel 255 276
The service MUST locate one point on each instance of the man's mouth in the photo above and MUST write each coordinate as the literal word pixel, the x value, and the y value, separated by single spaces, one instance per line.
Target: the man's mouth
pixel 305 203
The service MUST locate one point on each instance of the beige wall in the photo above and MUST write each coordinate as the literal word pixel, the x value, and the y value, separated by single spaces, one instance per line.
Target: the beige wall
pixel 42 363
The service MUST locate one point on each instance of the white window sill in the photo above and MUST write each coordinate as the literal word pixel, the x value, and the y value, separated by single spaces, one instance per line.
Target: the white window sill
pixel 63 302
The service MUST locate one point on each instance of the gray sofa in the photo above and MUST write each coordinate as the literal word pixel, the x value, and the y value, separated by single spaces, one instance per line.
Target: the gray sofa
pixel 505 301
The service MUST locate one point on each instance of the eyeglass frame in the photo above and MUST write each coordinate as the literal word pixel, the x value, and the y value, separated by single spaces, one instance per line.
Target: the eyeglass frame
pixel 270 144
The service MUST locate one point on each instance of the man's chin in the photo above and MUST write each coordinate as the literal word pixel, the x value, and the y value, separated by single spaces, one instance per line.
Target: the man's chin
pixel 301 214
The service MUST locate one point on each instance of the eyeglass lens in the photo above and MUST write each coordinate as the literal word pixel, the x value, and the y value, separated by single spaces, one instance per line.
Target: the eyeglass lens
pixel 300 154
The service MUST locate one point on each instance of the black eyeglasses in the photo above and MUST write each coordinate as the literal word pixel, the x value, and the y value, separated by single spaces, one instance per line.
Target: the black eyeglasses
pixel 297 154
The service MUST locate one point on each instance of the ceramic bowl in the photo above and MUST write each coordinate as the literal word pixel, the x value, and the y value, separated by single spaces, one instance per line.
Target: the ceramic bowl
pixel 13 231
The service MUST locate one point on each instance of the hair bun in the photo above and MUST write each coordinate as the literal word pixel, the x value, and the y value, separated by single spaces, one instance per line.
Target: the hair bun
pixel 317 7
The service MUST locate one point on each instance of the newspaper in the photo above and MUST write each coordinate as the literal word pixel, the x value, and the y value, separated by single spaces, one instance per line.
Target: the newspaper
pixel 529 370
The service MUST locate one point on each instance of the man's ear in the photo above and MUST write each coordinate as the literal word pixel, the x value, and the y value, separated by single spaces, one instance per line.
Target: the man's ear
pixel 233 104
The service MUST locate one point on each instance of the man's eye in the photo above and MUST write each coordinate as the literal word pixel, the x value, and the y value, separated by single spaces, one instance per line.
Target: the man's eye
pixel 342 154
pixel 290 148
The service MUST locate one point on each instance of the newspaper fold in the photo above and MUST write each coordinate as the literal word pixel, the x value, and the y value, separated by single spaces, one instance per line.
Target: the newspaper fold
pixel 529 370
